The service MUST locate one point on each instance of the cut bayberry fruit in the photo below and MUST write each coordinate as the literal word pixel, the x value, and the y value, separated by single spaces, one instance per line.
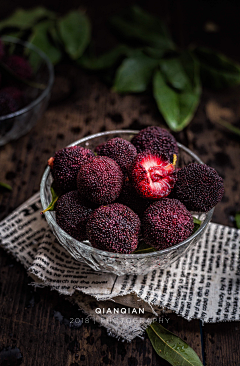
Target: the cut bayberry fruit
pixel 153 175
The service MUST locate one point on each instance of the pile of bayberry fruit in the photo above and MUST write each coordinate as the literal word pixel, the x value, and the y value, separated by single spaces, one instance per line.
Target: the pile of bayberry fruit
pixel 124 188
pixel 12 91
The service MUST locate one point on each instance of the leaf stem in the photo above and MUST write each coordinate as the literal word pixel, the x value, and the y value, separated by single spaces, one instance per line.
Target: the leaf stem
pixel 229 126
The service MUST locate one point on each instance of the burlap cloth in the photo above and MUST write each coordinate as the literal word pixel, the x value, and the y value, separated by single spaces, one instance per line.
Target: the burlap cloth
pixel 202 285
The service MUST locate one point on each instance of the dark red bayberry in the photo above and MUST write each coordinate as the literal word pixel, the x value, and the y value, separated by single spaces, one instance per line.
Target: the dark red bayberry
pixel 72 215
pixel 100 180
pixel 131 198
pixel 153 176
pixel 156 140
pixel 15 93
pixel 199 187
pixel 165 223
pixel 7 103
pixel 65 166
pixel 19 65
pixel 114 228
pixel 120 150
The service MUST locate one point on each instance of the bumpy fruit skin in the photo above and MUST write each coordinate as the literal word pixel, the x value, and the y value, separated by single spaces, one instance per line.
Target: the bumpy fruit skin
pixel 198 187
pixel 72 215
pixel 65 166
pixel 19 65
pixel 114 228
pixel 120 150
pixel 153 176
pixel 165 223
pixel 156 139
pixel 100 180
pixel 130 198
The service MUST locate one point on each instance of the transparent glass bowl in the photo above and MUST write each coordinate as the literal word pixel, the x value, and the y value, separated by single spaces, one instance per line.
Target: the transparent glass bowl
pixel 16 124
pixel 117 263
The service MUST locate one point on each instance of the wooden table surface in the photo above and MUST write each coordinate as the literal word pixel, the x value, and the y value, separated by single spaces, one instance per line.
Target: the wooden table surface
pixel 34 324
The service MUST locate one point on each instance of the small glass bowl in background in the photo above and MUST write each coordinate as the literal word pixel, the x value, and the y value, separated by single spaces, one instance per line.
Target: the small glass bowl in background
pixel 120 264
pixel 16 124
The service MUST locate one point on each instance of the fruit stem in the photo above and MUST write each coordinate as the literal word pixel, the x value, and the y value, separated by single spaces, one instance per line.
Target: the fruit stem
pixel 174 160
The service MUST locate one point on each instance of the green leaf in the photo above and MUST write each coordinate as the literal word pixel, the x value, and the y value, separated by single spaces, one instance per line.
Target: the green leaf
pixel 143 248
pixel 24 19
pixel 137 25
pixel 171 348
pixel 52 205
pixel 105 60
pixel 178 106
pixel 237 219
pixel 41 39
pixel 134 74
pixel 154 52
pixel 75 32
pixel 197 224
pixel 174 73
pixel 5 186
pixel 217 71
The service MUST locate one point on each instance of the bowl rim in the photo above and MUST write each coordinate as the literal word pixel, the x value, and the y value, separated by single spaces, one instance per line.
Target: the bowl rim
pixel 50 79
pixel 112 254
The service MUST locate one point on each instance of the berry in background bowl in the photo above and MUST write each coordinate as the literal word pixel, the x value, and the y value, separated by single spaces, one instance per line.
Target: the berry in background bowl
pixel 26 79
pixel 127 227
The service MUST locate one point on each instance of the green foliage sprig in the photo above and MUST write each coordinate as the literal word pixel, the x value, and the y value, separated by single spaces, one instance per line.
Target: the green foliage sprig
pixel 53 34
pixel 175 77
pixel 146 59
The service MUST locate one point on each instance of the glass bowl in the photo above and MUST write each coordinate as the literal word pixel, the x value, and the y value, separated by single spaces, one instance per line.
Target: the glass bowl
pixel 16 124
pixel 120 264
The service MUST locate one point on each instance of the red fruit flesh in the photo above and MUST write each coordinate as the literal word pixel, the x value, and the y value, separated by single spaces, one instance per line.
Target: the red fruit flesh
pixel 153 175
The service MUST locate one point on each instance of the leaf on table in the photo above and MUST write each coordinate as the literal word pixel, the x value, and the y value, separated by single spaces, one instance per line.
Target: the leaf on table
pixel 75 31
pixel 55 196
pixel 171 348
pixel 24 19
pixel 5 186
pixel 134 74
pixel 174 73
pixel 197 224
pixel 137 25
pixel 237 219
pixel 217 71
pixel 221 115
pixel 41 39
pixel 178 105
pixel 143 248
pixel 105 60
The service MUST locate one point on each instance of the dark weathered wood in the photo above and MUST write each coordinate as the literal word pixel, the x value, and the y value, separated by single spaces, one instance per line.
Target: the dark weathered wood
pixel 34 325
